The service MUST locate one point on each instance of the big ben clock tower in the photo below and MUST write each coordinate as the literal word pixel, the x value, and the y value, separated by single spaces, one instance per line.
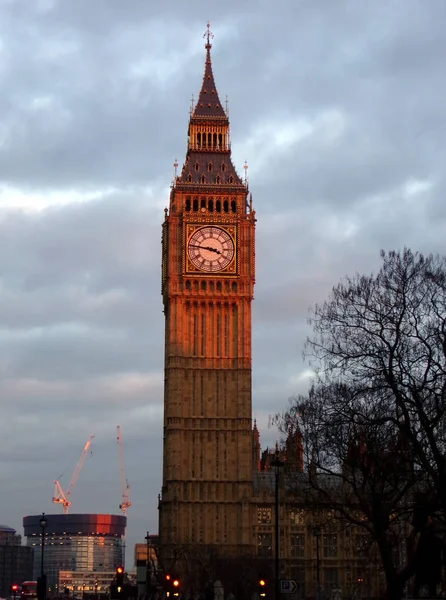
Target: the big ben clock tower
pixel 208 261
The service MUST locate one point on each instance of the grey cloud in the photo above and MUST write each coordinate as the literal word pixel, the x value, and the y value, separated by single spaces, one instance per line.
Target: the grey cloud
pixel 95 100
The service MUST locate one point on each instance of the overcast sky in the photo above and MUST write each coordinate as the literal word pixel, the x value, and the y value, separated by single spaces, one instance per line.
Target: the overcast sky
pixel 339 109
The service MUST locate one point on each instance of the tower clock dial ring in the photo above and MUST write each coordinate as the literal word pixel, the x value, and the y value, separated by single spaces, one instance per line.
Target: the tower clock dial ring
pixel 211 249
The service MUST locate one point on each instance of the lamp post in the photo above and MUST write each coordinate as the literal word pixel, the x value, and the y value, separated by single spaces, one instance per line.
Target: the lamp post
pixel 277 463
pixel 317 535
pixel 148 578
pixel 43 523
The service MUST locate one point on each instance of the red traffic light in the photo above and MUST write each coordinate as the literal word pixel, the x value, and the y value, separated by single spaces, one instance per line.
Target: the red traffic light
pixel 167 577
pixel 120 570
pixel 14 587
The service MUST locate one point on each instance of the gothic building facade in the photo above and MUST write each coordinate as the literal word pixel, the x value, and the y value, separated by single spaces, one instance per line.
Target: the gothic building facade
pixel 218 488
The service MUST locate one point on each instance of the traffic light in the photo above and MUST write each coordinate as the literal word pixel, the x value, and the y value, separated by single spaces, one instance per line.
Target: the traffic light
pixel 172 586
pixel 119 578
pixel 262 588
pixel 14 589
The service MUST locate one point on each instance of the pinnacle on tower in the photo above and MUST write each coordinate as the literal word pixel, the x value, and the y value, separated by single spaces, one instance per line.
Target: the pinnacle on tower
pixel 208 104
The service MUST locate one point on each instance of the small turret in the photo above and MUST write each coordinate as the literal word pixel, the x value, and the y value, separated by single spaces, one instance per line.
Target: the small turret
pixel 255 447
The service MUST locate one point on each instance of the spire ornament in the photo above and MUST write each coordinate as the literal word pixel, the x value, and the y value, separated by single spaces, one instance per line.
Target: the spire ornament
pixel 209 36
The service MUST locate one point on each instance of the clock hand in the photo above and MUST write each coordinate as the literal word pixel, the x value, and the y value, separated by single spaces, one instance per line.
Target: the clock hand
pixel 205 248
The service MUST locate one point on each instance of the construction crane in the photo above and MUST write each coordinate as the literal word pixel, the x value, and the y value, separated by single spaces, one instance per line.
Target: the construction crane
pixel 125 486
pixel 61 497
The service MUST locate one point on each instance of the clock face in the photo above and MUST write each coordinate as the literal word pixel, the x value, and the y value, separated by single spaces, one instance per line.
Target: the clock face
pixel 211 249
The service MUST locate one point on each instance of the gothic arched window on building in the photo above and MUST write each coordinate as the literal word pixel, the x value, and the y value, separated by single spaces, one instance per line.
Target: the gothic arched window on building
pixel 187 208
pixel 203 179
pixel 210 167
pixel 233 206
pixel 297 545
pixel 265 545
pixel 211 205
pixel 195 205
pixel 330 545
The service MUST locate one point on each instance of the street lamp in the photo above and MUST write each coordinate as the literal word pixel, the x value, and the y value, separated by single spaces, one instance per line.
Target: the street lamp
pixel 317 535
pixel 277 463
pixel 43 523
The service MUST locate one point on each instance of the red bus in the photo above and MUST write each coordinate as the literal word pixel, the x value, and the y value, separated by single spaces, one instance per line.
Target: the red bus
pixel 29 590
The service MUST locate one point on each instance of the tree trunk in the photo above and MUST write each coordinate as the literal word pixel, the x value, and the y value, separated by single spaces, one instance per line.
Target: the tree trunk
pixel 395 589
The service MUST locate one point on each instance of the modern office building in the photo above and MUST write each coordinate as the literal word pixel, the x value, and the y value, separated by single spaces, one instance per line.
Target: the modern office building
pixel 78 542
pixel 16 561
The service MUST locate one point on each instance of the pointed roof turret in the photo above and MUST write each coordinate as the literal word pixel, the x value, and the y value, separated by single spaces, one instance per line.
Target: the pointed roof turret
pixel 208 104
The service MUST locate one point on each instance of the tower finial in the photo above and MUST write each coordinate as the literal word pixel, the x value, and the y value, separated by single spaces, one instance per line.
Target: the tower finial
pixel 209 36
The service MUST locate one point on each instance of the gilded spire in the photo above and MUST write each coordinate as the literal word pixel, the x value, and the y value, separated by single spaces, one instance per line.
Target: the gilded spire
pixel 208 104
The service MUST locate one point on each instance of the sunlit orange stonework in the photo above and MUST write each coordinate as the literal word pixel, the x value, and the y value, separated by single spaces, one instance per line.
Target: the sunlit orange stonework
pixel 208 269
pixel 218 492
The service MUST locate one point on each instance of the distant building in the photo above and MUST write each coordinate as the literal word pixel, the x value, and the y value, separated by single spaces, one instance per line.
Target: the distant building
pixel 83 584
pixel 16 561
pixel 78 543
pixel 142 551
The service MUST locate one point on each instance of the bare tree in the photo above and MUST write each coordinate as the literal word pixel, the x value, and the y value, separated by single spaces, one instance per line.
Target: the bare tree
pixel 374 421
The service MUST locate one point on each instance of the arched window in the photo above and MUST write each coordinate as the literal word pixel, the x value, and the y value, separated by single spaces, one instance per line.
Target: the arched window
pixel 195 204
pixel 197 166
pixel 188 285
pixel 217 179
pixel 211 205
pixel 188 204
pixel 231 179
pixel 233 206
pixel 203 286
pixel 199 140
pixel 202 179
pixel 218 206
pixel 189 178
pixel 203 203
pixel 223 167
pixel 210 167
pixel 218 286
pixel 226 206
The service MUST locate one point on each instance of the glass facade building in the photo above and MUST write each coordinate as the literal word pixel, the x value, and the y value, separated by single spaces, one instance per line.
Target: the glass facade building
pixel 82 542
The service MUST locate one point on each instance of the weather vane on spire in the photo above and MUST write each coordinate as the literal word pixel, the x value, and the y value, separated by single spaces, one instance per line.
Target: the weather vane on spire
pixel 209 36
